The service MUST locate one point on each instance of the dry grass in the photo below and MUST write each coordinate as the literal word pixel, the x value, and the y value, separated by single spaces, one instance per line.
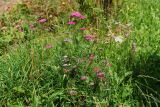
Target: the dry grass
pixel 7 5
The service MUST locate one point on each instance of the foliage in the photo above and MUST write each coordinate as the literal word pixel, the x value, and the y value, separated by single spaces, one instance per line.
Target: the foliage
pixel 54 55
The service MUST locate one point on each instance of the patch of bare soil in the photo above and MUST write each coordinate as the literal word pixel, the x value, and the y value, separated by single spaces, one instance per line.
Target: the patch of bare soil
pixel 6 5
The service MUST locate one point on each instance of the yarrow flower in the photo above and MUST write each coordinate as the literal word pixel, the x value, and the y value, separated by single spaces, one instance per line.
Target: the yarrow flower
pixel 82 17
pixel 72 92
pixel 83 78
pixel 68 40
pixel 76 14
pixel 48 46
pixel 71 23
pixel 42 20
pixel 19 28
pixel 96 69
pixel 31 26
pixel 65 70
pixel 89 37
pixel 91 57
pixel 118 39
pixel 109 64
pixel 83 28
pixel 66 65
pixel 100 75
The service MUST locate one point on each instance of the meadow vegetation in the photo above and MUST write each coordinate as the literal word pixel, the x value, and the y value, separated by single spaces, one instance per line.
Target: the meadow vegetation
pixel 67 53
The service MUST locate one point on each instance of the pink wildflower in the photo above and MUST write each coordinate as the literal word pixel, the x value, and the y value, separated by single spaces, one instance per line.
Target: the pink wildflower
pixel 31 26
pixel 109 65
pixel 76 14
pixel 17 26
pixel 83 78
pixel 96 69
pixel 42 20
pixel 48 46
pixel 20 29
pixel 82 17
pixel 89 37
pixel 100 75
pixel 71 23
pixel 91 57
pixel 83 28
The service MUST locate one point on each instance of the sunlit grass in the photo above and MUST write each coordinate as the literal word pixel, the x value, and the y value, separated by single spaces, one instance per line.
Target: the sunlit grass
pixel 98 61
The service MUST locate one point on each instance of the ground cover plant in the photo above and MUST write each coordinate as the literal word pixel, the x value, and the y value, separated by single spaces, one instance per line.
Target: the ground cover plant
pixel 71 54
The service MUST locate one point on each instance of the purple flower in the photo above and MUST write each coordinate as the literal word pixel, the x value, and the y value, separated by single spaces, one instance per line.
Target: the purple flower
pixel 42 20
pixel 89 37
pixel 76 14
pixel 71 23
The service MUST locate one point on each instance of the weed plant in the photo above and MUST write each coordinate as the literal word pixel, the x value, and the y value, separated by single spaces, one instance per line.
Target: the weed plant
pixel 60 54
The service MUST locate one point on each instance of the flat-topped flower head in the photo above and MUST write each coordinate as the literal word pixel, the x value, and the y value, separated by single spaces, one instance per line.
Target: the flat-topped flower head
pixel 89 37
pixel 100 75
pixel 109 64
pixel 91 57
pixel 67 40
pixel 83 28
pixel 76 14
pixel 72 92
pixel 83 78
pixel 82 17
pixel 71 23
pixel 42 20
pixel 48 46
pixel 96 69
pixel 32 27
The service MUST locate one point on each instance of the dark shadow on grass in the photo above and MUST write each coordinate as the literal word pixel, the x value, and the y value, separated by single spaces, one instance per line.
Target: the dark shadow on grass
pixel 146 75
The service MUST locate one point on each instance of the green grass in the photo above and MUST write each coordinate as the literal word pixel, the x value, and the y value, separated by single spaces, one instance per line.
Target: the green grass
pixel 36 76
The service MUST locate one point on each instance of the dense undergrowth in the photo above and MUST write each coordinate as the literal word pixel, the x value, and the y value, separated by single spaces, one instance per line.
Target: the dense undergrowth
pixel 53 55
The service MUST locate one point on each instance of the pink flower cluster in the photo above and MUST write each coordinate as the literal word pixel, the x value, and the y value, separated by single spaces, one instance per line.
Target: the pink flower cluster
pixel 42 20
pixel 89 37
pixel 83 28
pixel 48 46
pixel 99 74
pixel 76 15
pixel 83 78
pixel 91 57
pixel 71 23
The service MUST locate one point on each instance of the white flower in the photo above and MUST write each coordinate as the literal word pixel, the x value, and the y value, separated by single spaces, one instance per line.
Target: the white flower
pixel 118 39
pixel 66 65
